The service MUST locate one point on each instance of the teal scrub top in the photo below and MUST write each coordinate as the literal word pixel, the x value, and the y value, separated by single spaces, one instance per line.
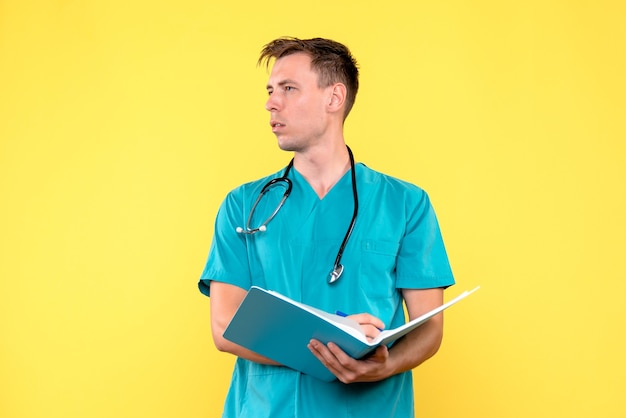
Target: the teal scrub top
pixel 396 243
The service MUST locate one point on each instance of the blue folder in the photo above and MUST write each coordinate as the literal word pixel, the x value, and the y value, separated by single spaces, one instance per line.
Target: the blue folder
pixel 280 328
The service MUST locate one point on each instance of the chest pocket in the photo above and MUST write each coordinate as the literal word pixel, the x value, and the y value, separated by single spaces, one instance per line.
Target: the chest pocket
pixel 378 266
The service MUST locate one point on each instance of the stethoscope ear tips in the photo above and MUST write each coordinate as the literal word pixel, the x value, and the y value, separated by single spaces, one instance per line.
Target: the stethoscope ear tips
pixel 239 230
pixel 263 228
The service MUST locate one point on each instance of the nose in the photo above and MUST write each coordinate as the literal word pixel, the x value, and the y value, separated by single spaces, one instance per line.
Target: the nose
pixel 272 103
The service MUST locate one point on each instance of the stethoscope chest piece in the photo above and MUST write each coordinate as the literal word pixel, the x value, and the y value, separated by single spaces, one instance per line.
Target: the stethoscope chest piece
pixel 335 274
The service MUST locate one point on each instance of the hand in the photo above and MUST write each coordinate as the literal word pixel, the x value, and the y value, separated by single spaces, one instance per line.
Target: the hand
pixel 370 325
pixel 348 370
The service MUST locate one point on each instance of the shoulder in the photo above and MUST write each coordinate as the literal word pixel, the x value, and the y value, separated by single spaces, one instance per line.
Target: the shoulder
pixel 252 187
pixel 391 185
pixel 242 196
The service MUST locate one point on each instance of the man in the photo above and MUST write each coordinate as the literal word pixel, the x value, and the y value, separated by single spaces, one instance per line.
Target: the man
pixel 377 235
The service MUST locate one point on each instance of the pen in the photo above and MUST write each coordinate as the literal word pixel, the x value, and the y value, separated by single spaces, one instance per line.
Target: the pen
pixel 345 314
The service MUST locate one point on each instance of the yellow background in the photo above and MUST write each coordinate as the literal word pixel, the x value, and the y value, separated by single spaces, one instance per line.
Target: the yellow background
pixel 124 123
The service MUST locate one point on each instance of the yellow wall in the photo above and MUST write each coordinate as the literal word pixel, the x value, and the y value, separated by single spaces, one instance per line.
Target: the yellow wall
pixel 124 123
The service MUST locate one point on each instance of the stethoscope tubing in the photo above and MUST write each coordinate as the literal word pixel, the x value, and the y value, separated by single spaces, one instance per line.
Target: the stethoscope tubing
pixel 264 190
pixel 337 267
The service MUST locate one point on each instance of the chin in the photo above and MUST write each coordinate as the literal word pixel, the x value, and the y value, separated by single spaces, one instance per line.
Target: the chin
pixel 287 146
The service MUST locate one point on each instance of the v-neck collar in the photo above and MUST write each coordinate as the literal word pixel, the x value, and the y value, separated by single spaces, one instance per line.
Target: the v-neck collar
pixel 307 189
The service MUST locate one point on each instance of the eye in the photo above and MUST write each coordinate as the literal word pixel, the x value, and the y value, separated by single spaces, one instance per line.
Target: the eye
pixel 289 88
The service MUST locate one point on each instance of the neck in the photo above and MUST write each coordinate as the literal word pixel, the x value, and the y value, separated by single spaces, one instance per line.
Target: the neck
pixel 322 168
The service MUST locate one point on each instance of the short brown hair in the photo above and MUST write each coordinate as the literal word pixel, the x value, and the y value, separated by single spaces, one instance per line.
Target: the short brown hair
pixel 332 61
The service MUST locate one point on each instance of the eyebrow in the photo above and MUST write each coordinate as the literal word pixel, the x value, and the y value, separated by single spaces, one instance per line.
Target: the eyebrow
pixel 282 83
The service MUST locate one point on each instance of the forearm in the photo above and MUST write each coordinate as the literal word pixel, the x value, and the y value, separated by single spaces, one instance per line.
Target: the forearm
pixel 226 346
pixel 225 299
pixel 416 347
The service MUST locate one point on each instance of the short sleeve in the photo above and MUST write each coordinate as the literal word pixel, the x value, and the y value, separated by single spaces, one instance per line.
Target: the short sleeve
pixel 422 260
pixel 228 260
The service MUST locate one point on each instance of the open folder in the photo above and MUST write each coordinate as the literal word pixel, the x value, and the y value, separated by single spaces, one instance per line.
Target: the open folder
pixel 280 328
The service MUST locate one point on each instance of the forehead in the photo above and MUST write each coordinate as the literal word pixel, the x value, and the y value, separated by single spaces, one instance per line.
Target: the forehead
pixel 295 67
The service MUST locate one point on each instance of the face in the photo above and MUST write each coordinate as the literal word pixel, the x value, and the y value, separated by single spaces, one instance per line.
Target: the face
pixel 296 104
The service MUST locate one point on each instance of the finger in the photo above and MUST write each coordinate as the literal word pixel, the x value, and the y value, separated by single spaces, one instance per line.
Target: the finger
pixel 365 319
pixel 339 356
pixel 322 352
pixel 380 355
pixel 349 370
pixel 332 357
pixel 370 331
pixel 326 357
pixel 342 365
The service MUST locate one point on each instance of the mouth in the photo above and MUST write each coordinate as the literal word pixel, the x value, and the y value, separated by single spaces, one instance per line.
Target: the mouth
pixel 276 125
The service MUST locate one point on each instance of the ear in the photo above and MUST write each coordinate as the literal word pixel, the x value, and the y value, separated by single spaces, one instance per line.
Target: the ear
pixel 337 98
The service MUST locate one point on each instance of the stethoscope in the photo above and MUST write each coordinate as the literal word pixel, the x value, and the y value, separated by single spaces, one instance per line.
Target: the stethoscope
pixel 338 267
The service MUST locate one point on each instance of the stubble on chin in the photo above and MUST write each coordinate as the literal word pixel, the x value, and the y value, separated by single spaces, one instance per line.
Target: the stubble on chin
pixel 289 146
